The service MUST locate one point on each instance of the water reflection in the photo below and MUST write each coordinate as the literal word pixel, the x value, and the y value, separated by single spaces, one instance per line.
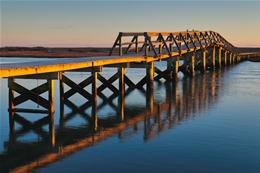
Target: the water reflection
pixel 182 101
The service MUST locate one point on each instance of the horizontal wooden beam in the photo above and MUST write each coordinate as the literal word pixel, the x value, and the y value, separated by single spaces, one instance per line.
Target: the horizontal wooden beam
pixel 119 65
pixel 52 75
pixel 89 69
pixel 29 110
pixel 132 33
pixel 138 65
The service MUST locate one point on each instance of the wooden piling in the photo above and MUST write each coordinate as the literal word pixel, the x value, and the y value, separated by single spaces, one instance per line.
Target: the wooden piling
pixel 192 66
pixel 225 58
pixel 94 102
pixel 150 75
pixel 121 99
pixel 11 106
pixel 175 68
pixel 122 72
pixel 219 57
pixel 204 61
pixel 213 57
pixel 61 101
pixel 51 95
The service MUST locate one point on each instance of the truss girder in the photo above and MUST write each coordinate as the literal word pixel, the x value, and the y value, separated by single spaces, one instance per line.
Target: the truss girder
pixel 153 42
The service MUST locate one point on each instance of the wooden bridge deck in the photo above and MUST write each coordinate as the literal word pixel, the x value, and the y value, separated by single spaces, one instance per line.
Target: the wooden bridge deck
pixel 65 64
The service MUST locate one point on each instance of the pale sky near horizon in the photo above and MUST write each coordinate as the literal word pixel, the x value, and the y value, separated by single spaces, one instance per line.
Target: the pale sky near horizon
pixel 97 23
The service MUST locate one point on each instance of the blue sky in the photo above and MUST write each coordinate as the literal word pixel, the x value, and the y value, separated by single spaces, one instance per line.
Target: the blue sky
pixel 97 23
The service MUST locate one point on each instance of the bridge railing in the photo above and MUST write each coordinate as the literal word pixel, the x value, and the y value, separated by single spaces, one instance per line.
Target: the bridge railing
pixel 171 43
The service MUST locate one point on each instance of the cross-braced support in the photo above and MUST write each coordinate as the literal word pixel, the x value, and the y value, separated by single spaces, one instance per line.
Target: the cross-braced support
pixel 33 95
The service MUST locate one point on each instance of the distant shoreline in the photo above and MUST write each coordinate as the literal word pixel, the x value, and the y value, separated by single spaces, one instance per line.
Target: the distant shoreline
pixel 53 52
pixel 73 52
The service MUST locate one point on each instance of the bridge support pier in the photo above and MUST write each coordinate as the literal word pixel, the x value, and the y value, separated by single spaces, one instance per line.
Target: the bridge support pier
pixel 192 65
pixel 225 58
pixel 94 76
pixel 219 58
pixel 213 65
pixel 121 99
pixel 204 61
pixel 175 68
pixel 46 105
pixel 33 95
pixel 150 77
pixel 230 59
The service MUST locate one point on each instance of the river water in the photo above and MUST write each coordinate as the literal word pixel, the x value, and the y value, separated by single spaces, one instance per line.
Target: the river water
pixel 207 123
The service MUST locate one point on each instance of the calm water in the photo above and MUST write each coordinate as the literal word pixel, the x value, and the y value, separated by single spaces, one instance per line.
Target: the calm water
pixel 208 123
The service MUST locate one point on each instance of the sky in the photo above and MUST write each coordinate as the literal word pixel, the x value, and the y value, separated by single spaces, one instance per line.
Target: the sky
pixel 83 23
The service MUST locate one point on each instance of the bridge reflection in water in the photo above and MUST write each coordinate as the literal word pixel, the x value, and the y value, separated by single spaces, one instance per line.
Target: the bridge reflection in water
pixel 183 101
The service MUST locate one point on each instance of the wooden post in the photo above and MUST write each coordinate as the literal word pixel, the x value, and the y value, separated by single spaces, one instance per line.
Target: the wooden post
pixel 235 58
pixel 51 95
pixel 214 57
pixel 160 48
pixel 170 47
pixel 230 59
pixel 11 106
pixel 192 66
pixel 225 58
pixel 149 85
pixel 169 66
pixel 94 106
pixel 180 47
pixel 136 44
pixel 121 99
pixel 175 69
pixel 120 46
pixel 146 46
pixel 204 61
pixel 150 75
pixel 122 72
pixel 219 57
pixel 61 102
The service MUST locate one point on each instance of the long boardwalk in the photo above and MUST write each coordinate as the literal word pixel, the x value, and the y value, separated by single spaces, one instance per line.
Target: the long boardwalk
pixel 200 51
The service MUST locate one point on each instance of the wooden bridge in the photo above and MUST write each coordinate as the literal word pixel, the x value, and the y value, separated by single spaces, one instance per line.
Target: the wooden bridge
pixel 199 50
